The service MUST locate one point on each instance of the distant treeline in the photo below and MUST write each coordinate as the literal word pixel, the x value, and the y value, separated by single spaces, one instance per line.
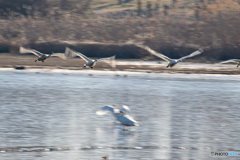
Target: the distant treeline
pixel 41 8
pixel 10 9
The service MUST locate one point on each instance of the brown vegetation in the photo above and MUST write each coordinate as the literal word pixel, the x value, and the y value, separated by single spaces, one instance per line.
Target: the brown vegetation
pixel 216 30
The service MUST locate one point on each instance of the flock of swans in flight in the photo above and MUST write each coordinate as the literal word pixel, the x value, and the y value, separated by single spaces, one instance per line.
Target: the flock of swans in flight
pixel 123 115
pixel 69 53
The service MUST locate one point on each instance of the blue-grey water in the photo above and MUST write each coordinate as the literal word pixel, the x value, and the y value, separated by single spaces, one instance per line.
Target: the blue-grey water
pixel 47 115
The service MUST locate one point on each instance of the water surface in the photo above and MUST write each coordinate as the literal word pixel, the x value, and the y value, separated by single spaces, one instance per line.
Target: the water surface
pixel 49 115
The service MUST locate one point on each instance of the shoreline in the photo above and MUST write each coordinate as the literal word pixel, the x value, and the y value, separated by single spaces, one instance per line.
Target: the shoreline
pixel 184 68
pixel 113 73
pixel 26 62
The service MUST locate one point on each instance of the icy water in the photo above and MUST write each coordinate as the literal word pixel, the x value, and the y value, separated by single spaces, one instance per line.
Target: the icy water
pixel 51 115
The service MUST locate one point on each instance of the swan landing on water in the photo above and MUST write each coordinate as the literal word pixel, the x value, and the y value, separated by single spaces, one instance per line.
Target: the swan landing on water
pixel 41 56
pixel 90 62
pixel 171 62
pixel 123 115
pixel 233 60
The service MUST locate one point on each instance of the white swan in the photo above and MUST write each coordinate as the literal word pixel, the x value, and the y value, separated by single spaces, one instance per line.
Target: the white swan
pixel 41 56
pixel 123 115
pixel 90 63
pixel 233 60
pixel 171 62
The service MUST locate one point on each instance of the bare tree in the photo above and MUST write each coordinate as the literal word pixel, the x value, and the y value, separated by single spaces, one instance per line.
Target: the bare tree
pixel 78 6
pixel 23 7
pixel 149 9
pixel 174 2
pixel 165 11
pixel 139 4
pixel 197 10
pixel 157 5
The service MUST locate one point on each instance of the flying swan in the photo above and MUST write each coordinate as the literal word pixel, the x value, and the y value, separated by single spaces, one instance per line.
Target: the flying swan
pixel 233 60
pixel 171 62
pixel 90 63
pixel 123 115
pixel 41 56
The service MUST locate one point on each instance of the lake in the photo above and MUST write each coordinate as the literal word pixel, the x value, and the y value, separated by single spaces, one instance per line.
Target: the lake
pixel 51 115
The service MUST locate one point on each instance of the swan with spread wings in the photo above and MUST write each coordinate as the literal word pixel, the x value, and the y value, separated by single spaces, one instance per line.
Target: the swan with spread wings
pixel 90 62
pixel 41 56
pixel 233 60
pixel 123 114
pixel 171 62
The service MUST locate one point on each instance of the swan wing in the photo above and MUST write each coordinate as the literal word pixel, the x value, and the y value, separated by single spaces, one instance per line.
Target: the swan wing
pixel 126 109
pixel 105 110
pixel 109 60
pixel 27 50
pixel 71 53
pixel 61 55
pixel 199 51
pixel 232 60
pixel 156 53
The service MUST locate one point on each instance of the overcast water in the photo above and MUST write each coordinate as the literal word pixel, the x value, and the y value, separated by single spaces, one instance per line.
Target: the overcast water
pixel 51 115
